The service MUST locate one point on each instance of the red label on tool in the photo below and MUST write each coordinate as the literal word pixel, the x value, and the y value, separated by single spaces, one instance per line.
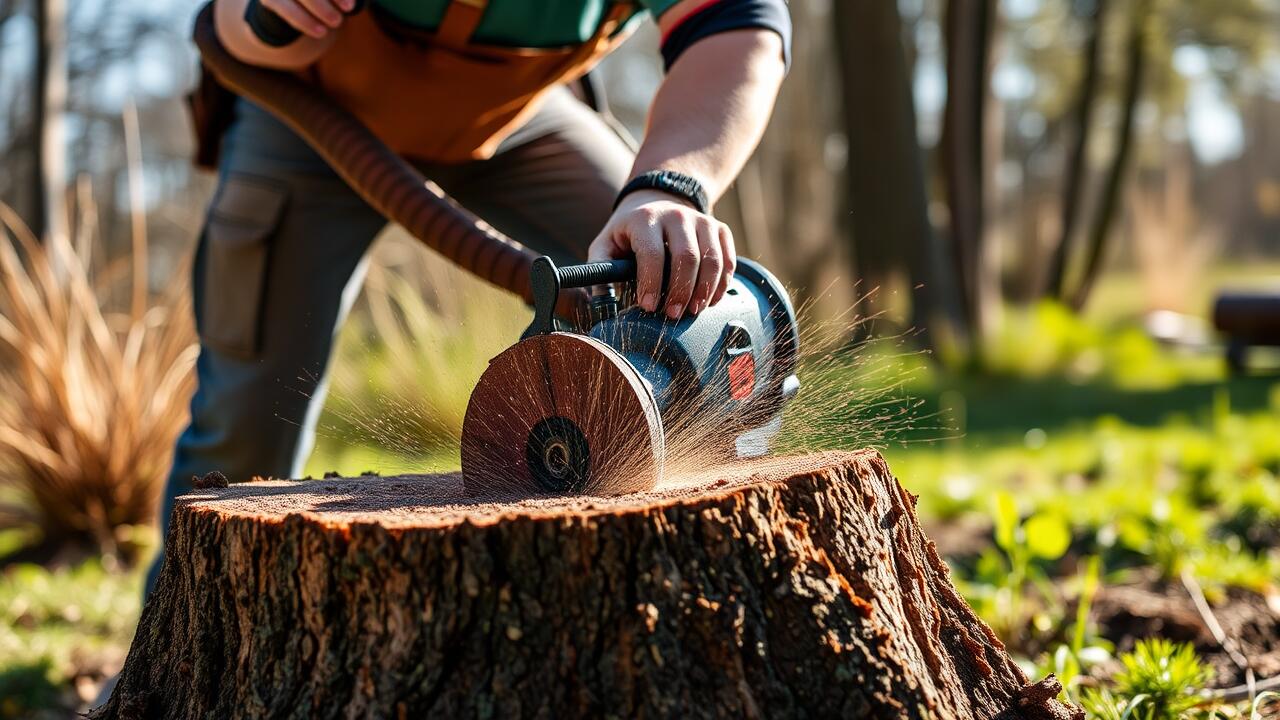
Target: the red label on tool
pixel 742 376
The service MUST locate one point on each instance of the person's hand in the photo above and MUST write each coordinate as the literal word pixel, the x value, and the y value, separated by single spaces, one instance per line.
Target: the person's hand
pixel 653 225
pixel 315 18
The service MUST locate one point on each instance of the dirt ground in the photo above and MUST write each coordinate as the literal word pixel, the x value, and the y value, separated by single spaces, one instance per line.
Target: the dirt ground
pixel 1150 607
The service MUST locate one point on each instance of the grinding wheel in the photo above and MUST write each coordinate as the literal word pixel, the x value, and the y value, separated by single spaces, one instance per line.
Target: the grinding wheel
pixel 561 413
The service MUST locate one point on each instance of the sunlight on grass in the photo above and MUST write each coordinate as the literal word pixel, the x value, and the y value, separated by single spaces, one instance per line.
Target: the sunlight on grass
pixel 61 632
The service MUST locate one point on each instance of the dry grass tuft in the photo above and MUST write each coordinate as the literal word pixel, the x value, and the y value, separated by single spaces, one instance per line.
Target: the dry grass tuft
pixel 95 375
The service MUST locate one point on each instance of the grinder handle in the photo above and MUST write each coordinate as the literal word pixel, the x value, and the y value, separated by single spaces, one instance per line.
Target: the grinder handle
pixel 274 30
pixel 547 281
pixel 597 273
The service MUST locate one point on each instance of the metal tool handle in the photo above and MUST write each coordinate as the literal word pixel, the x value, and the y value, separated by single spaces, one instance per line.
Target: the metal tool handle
pixel 274 30
pixel 547 280
pixel 597 273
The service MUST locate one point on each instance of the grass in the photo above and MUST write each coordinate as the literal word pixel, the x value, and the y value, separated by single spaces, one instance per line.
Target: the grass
pixel 355 459
pixel 61 631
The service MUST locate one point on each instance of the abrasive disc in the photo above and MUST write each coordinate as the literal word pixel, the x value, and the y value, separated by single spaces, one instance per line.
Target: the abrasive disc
pixel 561 413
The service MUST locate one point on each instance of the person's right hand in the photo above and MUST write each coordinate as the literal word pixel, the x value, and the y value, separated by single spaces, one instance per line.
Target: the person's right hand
pixel 314 18
pixel 659 229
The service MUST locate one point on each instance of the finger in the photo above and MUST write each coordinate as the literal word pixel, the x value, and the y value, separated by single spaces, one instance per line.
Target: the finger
pixel 729 254
pixel 644 238
pixel 325 11
pixel 298 17
pixel 710 265
pixel 603 248
pixel 683 254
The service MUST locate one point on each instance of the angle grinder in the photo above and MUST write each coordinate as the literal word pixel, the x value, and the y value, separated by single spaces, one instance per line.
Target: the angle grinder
pixel 598 412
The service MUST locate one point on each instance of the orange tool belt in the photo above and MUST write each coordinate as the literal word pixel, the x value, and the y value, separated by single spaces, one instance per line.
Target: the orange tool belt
pixel 431 96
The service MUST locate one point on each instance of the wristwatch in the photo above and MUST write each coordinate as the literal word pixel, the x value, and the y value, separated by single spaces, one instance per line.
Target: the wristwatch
pixel 683 186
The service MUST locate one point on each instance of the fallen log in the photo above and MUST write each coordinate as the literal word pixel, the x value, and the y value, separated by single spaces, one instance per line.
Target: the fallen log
pixel 787 588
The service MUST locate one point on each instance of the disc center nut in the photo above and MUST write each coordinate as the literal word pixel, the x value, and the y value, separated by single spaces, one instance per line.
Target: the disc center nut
pixel 556 457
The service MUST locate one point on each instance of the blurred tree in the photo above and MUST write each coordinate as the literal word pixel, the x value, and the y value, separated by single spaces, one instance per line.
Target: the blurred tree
pixel 1105 216
pixel 969 27
pixel 47 214
pixel 87 59
pixel 1082 121
pixel 1126 90
pixel 888 208
pixel 7 10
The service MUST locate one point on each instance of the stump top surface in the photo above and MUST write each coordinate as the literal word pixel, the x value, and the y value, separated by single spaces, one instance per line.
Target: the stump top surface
pixel 425 501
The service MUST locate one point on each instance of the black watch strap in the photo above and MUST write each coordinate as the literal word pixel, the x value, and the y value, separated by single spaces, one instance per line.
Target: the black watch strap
pixel 671 182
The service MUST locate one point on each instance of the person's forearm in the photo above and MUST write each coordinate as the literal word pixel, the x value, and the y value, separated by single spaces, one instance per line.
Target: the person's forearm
pixel 239 40
pixel 713 107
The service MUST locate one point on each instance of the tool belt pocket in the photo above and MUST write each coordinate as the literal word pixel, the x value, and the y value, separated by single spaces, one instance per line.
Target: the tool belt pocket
pixel 236 251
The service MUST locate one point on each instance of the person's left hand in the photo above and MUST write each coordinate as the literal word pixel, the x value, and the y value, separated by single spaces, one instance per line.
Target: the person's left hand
pixel 653 225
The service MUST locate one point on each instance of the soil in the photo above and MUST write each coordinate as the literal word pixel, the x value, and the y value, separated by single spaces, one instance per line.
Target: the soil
pixel 1150 607
pixel 1153 607
pixel 960 539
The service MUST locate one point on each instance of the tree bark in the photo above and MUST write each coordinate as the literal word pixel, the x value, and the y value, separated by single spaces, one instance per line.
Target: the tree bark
pixel 790 588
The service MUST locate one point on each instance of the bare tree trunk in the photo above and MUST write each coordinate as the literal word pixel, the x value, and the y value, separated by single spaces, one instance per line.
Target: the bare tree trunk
pixel 1104 220
pixel 749 194
pixel 786 196
pixel 888 207
pixel 1073 183
pixel 48 182
pixel 969 26
pixel 6 11
pixel 988 282
pixel 798 587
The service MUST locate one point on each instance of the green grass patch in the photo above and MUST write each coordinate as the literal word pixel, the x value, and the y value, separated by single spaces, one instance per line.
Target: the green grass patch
pixel 60 625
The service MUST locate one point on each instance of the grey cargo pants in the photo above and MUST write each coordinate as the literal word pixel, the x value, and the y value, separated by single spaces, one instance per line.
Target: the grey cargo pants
pixel 281 260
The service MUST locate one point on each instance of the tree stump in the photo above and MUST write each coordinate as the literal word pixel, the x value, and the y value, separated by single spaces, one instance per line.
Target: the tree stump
pixel 785 588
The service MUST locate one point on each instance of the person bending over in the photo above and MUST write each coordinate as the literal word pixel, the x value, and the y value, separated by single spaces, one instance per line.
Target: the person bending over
pixel 475 94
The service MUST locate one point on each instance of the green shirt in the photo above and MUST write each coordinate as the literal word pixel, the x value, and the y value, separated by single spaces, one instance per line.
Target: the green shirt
pixel 521 23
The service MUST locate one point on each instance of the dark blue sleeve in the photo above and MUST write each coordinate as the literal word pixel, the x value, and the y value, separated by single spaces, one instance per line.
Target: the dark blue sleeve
pixel 726 15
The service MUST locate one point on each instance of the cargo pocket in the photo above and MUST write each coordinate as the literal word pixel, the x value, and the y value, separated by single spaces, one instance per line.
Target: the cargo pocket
pixel 244 216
